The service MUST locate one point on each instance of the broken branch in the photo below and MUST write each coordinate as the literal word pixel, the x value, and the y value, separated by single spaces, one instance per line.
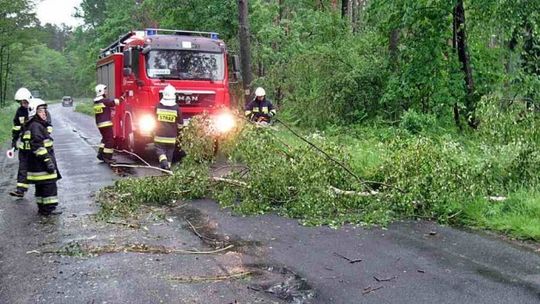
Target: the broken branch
pixel 197 279
pixel 346 258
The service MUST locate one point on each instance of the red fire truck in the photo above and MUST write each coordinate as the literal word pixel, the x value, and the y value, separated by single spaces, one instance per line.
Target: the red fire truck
pixel 140 64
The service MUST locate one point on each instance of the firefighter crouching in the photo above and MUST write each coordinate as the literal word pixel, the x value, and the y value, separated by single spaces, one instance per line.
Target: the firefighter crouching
pixel 102 109
pixel 22 96
pixel 260 109
pixel 42 169
pixel 168 121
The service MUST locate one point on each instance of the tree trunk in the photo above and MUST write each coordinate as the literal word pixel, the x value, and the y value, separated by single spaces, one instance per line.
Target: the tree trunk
pixel 2 101
pixel 460 42
pixel 6 76
pixel 245 50
pixel 345 9
pixel 393 48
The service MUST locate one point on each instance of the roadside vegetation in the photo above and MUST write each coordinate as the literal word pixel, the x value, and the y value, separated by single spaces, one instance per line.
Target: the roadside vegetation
pixel 84 105
pixel 488 179
pixel 6 121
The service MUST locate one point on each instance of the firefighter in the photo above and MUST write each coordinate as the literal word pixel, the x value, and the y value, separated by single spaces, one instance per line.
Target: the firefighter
pixel 22 96
pixel 168 121
pixel 260 109
pixel 42 169
pixel 102 110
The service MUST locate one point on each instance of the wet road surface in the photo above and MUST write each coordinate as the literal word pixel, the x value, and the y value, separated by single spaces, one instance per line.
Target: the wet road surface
pixel 74 258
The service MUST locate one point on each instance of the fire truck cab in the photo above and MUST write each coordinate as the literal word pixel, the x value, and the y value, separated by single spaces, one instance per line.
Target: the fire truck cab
pixel 140 64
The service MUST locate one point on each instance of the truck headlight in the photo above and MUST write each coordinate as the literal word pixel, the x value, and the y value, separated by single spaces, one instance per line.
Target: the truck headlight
pixel 224 122
pixel 147 123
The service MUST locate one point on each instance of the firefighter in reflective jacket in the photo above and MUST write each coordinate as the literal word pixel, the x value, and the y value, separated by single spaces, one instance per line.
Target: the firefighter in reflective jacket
pixel 102 110
pixel 260 109
pixel 22 96
pixel 42 169
pixel 168 121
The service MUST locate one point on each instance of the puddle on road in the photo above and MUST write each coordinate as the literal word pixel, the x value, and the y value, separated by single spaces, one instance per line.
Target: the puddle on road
pixel 281 283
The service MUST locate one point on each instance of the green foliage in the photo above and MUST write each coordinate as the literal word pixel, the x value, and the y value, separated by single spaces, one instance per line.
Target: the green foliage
pixel 518 216
pixel 6 121
pixel 43 69
pixel 189 181
pixel 85 107
pixel 416 122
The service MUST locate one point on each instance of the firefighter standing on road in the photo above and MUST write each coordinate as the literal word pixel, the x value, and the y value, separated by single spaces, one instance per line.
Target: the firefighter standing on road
pixel 42 169
pixel 260 109
pixel 102 110
pixel 22 96
pixel 169 120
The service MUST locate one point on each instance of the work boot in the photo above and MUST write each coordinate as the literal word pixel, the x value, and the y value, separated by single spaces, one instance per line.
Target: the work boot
pixel 164 165
pixel 46 212
pixel 109 161
pixel 17 193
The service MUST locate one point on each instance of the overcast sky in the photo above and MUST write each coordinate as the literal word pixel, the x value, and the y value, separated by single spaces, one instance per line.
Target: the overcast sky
pixel 57 11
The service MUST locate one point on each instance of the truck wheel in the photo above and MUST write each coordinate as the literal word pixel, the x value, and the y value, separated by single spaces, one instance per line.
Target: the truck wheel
pixel 130 142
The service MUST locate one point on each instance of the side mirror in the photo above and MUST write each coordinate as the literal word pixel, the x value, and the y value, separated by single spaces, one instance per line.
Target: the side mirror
pixel 127 71
pixel 235 63
pixel 128 60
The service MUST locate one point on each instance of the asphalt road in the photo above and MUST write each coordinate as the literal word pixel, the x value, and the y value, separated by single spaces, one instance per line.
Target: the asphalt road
pixel 273 259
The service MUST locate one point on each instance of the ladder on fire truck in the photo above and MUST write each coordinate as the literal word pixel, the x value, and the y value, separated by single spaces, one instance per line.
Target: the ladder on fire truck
pixel 118 45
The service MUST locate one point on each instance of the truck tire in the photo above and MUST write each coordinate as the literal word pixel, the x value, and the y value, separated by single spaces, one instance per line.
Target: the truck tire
pixel 130 142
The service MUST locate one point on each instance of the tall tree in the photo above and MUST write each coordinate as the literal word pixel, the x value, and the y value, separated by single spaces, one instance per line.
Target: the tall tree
pixel 15 17
pixel 460 44
pixel 245 49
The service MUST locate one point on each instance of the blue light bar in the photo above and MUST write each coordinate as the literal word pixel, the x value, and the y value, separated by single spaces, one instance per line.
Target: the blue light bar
pixel 214 36
pixel 150 32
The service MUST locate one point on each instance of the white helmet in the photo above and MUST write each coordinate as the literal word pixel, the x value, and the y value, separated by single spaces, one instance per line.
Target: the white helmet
pixel 34 103
pixel 100 90
pixel 259 92
pixel 169 96
pixel 23 94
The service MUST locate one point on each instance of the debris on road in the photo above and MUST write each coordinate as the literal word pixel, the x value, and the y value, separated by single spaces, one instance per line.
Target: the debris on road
pixel 370 289
pixel 352 261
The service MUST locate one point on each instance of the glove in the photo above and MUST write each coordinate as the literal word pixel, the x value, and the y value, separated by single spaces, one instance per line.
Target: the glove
pixel 14 145
pixel 10 153
pixel 50 165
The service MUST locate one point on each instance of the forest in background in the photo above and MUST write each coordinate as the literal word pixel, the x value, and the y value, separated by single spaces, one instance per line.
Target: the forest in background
pixel 323 61
pixel 436 102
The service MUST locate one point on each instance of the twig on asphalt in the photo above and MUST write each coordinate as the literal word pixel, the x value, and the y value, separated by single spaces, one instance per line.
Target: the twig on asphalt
pixel 385 279
pixel 197 279
pixel 370 289
pixel 137 156
pixel 130 225
pixel 346 258
pixel 202 237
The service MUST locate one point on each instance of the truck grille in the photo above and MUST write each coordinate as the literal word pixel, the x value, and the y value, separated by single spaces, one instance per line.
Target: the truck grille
pixel 195 98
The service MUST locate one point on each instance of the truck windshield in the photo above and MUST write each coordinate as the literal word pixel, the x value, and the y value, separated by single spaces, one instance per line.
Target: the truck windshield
pixel 186 65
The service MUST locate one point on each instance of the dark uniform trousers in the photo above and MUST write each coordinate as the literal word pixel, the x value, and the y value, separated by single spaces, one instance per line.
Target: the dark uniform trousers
pixel 22 182
pixel 47 196
pixel 106 148
pixel 18 132
pixel 165 154
pixel 103 112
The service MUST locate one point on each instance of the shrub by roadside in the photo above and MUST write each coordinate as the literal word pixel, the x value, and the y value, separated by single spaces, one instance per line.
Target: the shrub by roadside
pixel 457 179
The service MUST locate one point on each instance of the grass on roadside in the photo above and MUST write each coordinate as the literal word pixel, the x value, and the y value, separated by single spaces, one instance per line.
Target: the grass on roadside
pixel 6 121
pixel 85 106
